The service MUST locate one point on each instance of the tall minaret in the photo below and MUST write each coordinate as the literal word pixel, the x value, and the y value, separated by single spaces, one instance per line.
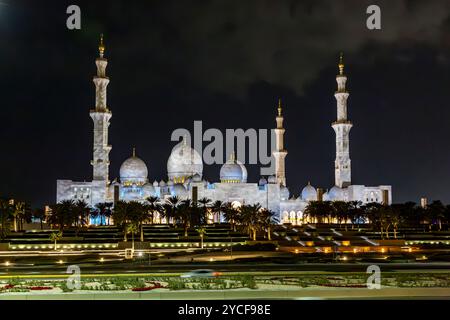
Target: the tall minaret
pixel 101 116
pixel 342 164
pixel 280 153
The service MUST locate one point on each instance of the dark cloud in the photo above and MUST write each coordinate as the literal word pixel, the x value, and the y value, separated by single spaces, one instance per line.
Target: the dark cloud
pixel 226 62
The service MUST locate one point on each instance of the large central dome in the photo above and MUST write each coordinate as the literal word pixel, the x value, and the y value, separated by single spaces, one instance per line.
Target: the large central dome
pixel 184 162
pixel 133 171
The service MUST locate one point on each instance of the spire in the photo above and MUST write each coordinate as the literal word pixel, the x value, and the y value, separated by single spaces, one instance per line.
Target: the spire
pixel 101 46
pixel 185 140
pixel 134 151
pixel 233 156
pixel 341 64
pixel 279 107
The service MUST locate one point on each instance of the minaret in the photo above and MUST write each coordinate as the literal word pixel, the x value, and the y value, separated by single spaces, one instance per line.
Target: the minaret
pixel 280 153
pixel 101 116
pixel 342 126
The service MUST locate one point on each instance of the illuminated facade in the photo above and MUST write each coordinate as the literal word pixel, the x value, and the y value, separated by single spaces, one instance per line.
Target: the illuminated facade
pixel 185 169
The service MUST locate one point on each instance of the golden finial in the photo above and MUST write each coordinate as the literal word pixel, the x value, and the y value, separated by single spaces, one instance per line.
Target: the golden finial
pixel 101 47
pixel 232 156
pixel 341 64
pixel 134 152
pixel 279 107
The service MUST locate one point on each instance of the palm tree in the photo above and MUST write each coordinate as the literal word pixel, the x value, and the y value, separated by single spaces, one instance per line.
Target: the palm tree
pixel 184 214
pixel 154 206
pixel 20 213
pixel 101 210
pixel 250 219
pixel 55 236
pixel 231 214
pixel 120 216
pixel 205 202
pixel 341 211
pixel 171 207
pixel 39 213
pixel 62 214
pixel 6 211
pixel 267 219
pixel 132 228
pixel 436 211
pixel 217 208
pixel 80 215
pixel 137 213
pixel 201 231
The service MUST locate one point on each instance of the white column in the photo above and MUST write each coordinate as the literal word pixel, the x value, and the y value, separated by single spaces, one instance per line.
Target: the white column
pixel 342 128
pixel 100 116
pixel 280 153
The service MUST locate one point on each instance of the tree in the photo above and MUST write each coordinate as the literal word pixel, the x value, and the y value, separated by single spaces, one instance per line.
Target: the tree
pixel 217 208
pixel 267 219
pixel 436 212
pixel 231 214
pixel 201 231
pixel 131 228
pixel 120 215
pixel 62 214
pixel 102 210
pixel 80 215
pixel 55 236
pixel 137 213
pixel 318 210
pixel 249 218
pixel 154 206
pixel 39 213
pixel 184 214
pixel 170 208
pixel 204 202
pixel 341 211
pixel 6 213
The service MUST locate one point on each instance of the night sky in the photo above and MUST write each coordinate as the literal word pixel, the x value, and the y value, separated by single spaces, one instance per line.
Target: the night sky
pixel 226 62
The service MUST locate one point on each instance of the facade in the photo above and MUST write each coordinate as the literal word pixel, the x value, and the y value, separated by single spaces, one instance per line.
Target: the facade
pixel 185 169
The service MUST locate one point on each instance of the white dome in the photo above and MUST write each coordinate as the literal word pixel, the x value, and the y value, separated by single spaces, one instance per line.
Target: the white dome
pixel 336 194
pixel 244 171
pixel 149 190
pixel 162 183
pixel 284 193
pixel 231 171
pixel 184 162
pixel 155 183
pixel 272 179
pixel 197 178
pixel 178 190
pixel 262 181
pixel 133 171
pixel 309 193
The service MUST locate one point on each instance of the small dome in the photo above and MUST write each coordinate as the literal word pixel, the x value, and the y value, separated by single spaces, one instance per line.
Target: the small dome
pixel 309 193
pixel 284 193
pixel 197 178
pixel 133 171
pixel 244 171
pixel 162 183
pixel 178 190
pixel 155 183
pixel 183 162
pixel 231 171
pixel 272 179
pixel 149 190
pixel 336 194
pixel 262 181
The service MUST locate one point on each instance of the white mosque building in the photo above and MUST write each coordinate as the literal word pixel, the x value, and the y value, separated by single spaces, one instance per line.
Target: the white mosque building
pixel 185 169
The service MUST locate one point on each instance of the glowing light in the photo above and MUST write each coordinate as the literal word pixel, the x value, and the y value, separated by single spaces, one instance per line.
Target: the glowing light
pixel 101 259
pixel 60 261
pixel 7 263
pixel 383 250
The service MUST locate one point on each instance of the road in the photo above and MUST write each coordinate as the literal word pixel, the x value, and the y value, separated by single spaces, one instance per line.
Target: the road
pixel 244 268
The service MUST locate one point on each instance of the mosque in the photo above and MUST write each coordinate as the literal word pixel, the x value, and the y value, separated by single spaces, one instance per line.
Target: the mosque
pixel 185 169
